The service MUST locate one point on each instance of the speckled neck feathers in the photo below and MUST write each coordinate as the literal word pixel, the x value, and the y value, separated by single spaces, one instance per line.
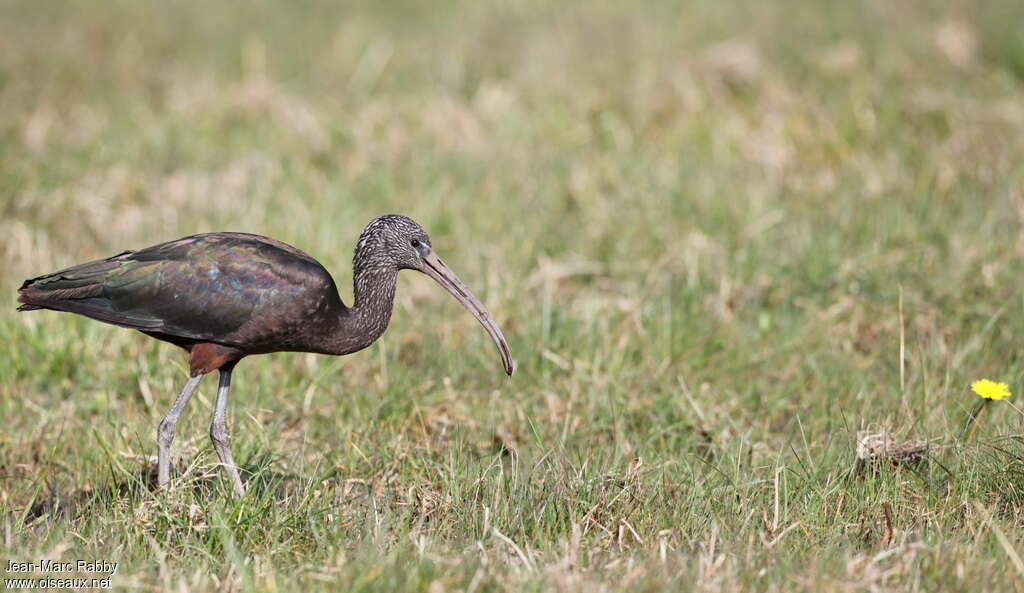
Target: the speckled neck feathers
pixel 375 275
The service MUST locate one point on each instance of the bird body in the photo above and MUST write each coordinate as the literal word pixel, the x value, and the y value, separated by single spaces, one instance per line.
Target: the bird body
pixel 224 296
pixel 245 293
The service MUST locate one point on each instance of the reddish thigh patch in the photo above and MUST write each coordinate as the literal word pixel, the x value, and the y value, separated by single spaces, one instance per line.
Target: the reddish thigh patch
pixel 206 357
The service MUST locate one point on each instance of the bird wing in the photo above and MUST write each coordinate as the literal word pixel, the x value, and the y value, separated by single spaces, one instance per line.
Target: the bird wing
pixel 203 287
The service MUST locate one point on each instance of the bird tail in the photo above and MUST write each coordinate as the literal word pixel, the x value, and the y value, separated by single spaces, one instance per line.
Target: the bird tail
pixel 71 289
pixel 85 289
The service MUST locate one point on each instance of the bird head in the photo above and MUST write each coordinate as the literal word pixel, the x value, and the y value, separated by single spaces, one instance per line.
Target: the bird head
pixel 400 242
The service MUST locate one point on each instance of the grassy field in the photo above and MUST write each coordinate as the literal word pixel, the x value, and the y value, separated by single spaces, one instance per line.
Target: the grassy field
pixel 722 238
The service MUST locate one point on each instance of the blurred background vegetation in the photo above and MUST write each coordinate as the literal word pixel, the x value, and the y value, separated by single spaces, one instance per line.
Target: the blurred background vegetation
pixel 709 230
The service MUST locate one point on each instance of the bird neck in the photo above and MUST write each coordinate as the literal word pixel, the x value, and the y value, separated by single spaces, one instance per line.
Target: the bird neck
pixel 364 322
pixel 374 290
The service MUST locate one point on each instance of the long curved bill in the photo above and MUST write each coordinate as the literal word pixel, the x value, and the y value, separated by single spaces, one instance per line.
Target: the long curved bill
pixel 443 275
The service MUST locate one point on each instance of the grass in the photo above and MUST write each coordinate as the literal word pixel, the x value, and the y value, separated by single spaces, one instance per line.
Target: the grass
pixel 722 239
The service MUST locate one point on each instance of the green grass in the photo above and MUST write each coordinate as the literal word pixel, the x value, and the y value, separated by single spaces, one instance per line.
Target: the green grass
pixel 695 223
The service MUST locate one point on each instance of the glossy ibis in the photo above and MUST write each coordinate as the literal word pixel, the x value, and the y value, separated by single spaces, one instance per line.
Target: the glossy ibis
pixel 224 296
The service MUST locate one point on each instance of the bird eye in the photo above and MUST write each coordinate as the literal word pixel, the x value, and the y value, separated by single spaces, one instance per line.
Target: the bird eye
pixel 416 243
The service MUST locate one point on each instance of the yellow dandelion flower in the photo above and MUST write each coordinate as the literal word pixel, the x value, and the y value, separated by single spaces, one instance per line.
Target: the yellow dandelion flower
pixel 990 389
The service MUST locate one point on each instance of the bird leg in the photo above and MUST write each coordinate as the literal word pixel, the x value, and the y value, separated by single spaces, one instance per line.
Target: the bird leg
pixel 219 432
pixel 165 432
